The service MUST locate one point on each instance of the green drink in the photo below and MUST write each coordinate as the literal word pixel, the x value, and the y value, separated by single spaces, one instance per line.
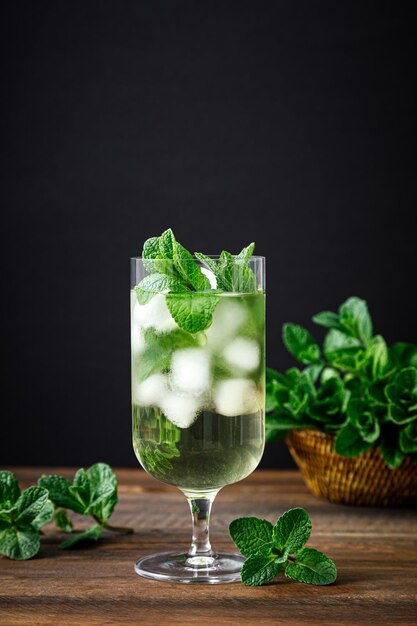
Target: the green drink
pixel 199 424
pixel 198 386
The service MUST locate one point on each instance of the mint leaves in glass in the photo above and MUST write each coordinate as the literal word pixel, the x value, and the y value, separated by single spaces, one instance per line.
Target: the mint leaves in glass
pixel 198 369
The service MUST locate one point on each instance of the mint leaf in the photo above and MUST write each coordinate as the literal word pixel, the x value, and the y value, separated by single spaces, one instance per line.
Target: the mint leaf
pixel 103 491
pixel 404 354
pixel 312 567
pixel 292 530
pixel 153 284
pixel 408 439
pixel 59 492
pixel 328 319
pixel 63 520
pixel 90 534
pixel 300 343
pixel 150 252
pixel 232 272
pixel 167 244
pixel 159 348
pixel 402 395
pixel 32 506
pixel 9 489
pixel 192 311
pixel 259 569
pixel 349 442
pixel 188 269
pixel 250 534
pixel 363 420
pixel 354 317
pixel 19 544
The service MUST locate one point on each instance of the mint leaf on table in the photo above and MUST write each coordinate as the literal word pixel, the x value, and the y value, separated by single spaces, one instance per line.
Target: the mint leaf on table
pixel 250 534
pixel 312 567
pixel 259 569
pixel 270 549
pixel 93 533
pixel 63 520
pixel 21 517
pixel 292 530
pixel 93 492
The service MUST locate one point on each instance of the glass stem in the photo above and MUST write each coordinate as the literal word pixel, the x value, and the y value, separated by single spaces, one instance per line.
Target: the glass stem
pixel 200 513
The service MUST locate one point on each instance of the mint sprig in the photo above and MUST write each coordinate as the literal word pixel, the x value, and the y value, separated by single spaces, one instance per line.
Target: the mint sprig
pixel 22 514
pixel 270 549
pixel 93 492
pixel 173 271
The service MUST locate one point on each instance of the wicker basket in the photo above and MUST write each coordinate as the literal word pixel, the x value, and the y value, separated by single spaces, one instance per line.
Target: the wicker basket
pixel 364 480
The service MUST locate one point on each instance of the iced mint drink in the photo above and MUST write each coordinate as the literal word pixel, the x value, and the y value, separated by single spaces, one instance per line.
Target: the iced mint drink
pixel 198 419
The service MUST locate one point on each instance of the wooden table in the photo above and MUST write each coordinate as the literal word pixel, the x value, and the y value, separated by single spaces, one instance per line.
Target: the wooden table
pixel 375 551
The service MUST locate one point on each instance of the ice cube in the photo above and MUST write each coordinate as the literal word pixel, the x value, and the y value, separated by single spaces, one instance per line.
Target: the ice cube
pixel 210 276
pixel 228 317
pixel 154 314
pixel 243 354
pixel 236 396
pixel 190 371
pixel 152 391
pixel 180 410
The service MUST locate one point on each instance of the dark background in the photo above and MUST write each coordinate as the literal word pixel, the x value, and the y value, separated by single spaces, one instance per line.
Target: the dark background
pixel 288 123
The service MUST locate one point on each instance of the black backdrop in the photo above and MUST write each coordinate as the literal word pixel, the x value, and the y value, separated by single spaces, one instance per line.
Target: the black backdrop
pixel 288 123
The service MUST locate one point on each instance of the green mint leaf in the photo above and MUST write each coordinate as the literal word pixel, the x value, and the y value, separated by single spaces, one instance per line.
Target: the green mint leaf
pixel 313 371
pixel 150 253
pixel 312 567
pixel 9 489
pixel 402 394
pixel 249 534
pixel 188 269
pixel 63 520
pixel 300 343
pixel 291 530
pixel 354 317
pixel 167 244
pixel 59 492
pixel 363 420
pixel 44 516
pixel 33 507
pixel 349 442
pixel 328 319
pixel 159 348
pixel 376 358
pixel 259 569
pixel 90 534
pixel 19 544
pixel 153 284
pixel 390 446
pixel 207 261
pixel 329 404
pixel 408 439
pixel 341 350
pixel 404 354
pixel 246 253
pixel 192 311
pixel 103 491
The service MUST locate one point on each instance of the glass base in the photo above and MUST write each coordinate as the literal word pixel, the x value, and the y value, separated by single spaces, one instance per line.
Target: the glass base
pixel 215 569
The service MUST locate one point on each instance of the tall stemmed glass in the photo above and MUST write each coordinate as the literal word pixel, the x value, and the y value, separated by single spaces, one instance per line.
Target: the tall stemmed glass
pixel 198 411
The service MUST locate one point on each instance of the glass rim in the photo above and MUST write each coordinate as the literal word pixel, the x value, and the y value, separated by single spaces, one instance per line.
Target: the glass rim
pixel 215 257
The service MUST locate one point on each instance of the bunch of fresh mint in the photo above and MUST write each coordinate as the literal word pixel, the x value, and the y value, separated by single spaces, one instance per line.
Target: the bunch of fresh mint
pixel 356 387
pixel 270 549
pixel 173 270
pixel 22 515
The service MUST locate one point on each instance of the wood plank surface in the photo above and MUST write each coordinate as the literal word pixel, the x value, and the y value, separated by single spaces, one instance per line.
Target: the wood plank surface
pixel 375 551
